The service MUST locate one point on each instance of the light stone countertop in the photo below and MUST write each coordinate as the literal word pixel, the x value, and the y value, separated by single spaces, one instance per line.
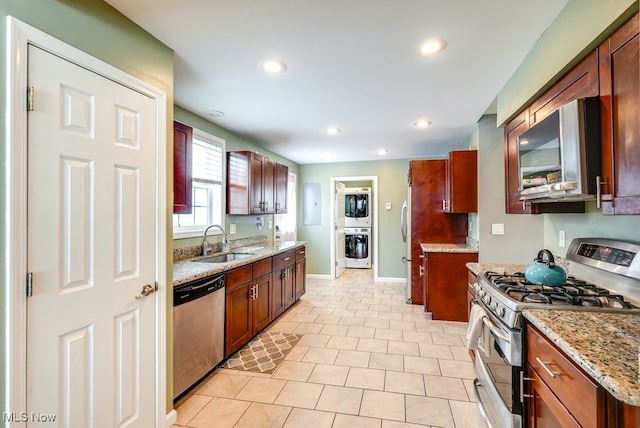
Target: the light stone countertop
pixel 606 345
pixel 189 270
pixel 448 248
pixel 477 268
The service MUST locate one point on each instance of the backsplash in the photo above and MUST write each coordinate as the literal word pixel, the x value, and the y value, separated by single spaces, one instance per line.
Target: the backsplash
pixel 196 250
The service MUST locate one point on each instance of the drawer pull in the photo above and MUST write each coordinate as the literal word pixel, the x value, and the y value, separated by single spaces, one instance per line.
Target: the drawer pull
pixel 546 368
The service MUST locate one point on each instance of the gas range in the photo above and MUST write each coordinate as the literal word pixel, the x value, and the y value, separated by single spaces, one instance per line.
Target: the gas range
pixel 613 268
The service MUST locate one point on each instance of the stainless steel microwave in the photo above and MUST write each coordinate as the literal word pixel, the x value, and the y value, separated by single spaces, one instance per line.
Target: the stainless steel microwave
pixel 559 157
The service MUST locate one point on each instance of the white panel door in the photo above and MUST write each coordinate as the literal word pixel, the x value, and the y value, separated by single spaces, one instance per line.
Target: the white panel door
pixel 339 216
pixel 91 248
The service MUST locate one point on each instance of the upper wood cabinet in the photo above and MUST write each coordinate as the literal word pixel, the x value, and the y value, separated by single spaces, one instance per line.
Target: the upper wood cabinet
pixel 253 184
pixel 461 182
pixel 580 82
pixel 182 149
pixel 620 96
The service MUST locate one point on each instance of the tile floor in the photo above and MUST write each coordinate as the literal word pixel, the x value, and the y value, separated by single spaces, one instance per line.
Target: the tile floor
pixel 367 359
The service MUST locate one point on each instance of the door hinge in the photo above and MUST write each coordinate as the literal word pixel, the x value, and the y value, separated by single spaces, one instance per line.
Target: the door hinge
pixel 29 284
pixel 30 96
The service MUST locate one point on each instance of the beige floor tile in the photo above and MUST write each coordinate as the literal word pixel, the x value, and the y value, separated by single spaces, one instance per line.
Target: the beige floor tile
pixel 263 415
pixel 349 421
pixel 435 351
pixel 380 307
pixel 345 312
pixel 329 374
pixel 372 345
pixel 383 405
pixel 376 323
pixel 390 315
pixel 445 387
pixel 284 326
pixel 303 418
pixel 461 369
pixel 220 412
pixel 320 355
pixel 348 343
pixel 466 415
pixel 460 353
pixel 328 319
pixel 315 340
pixel 304 328
pixel 351 321
pixel 353 358
pixel 338 304
pixel 309 318
pixel 299 394
pixel 366 378
pixel 468 385
pixel 297 353
pixel 405 383
pixel 261 390
pixel 429 326
pixel 321 311
pixel 395 424
pixel 386 361
pixel 294 370
pixel 357 331
pixel 421 365
pixel 459 328
pixel 190 408
pixel 367 314
pixel 446 339
pixel 403 348
pixel 388 334
pixel 340 399
pixel 224 385
pixel 402 325
pixel 417 336
pixel 334 330
pixel 429 411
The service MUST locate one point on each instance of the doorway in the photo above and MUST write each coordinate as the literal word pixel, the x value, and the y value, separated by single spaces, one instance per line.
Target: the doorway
pixel 372 240
pixel 84 224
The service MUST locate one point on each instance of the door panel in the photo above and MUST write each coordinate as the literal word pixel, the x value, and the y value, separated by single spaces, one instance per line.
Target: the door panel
pixel 339 216
pixel 91 247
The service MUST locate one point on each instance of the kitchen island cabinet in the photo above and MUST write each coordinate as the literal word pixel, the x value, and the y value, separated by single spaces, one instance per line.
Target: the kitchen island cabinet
pixel 582 369
pixel 620 98
pixel 445 280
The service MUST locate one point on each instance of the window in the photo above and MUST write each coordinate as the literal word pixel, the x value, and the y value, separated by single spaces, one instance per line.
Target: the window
pixel 208 190
pixel 287 222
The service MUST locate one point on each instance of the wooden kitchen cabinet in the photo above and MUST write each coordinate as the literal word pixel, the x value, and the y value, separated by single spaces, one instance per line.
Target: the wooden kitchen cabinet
pixel 429 223
pixel 445 284
pixel 301 273
pixel 461 182
pixel 255 184
pixel 248 303
pixel 283 278
pixel 579 82
pixel 619 67
pixel 561 394
pixel 182 153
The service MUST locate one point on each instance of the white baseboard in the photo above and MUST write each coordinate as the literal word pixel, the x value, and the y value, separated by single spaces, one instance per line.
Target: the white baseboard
pixel 316 276
pixel 172 418
pixel 399 280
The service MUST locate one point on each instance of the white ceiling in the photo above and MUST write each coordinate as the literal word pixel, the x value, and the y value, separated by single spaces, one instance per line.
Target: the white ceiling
pixel 350 63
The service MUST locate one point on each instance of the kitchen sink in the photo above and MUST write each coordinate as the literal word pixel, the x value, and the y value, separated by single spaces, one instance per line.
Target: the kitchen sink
pixel 223 258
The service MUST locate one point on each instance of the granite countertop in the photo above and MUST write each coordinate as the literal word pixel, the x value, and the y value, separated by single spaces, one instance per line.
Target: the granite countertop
pixel 448 248
pixel 477 268
pixel 606 345
pixel 189 270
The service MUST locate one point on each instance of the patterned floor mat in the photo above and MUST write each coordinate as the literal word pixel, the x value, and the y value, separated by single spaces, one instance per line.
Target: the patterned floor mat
pixel 264 353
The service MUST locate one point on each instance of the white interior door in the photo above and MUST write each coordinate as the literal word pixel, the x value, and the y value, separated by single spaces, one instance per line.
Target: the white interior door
pixel 91 248
pixel 338 216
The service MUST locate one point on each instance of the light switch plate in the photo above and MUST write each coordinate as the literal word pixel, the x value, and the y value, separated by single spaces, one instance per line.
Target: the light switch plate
pixel 562 239
pixel 387 206
pixel 497 228
pixel 232 229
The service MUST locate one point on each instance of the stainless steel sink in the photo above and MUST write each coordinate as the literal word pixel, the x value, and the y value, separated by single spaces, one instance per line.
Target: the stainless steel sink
pixel 223 257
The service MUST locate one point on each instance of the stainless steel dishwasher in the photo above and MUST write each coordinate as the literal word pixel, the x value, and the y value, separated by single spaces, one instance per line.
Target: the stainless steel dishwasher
pixel 198 330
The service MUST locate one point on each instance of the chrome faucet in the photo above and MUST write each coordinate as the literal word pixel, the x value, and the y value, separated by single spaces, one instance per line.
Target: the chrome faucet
pixel 206 247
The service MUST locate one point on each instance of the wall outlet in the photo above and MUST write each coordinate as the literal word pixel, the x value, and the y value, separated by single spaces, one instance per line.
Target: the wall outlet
pixel 562 239
pixel 270 224
pixel 232 229
pixel 387 206
pixel 497 228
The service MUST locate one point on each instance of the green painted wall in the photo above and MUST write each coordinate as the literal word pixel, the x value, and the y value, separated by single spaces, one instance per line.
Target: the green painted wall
pixel 578 29
pixel 392 187
pixel 96 28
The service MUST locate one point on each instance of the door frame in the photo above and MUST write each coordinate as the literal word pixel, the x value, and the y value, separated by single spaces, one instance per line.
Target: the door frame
pixel 19 36
pixel 374 225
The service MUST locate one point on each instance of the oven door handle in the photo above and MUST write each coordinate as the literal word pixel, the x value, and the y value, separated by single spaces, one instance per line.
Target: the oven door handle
pixel 483 412
pixel 495 330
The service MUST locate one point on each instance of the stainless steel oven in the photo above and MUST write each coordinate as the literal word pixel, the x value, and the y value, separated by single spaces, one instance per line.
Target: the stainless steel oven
pixel 494 336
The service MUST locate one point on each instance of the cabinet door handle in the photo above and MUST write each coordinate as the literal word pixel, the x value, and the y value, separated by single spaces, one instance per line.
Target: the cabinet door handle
pixel 546 368
pixel 256 288
pixel 599 184
pixel 421 271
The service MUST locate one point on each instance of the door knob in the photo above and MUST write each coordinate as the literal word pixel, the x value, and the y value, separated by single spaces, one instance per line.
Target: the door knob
pixel 146 290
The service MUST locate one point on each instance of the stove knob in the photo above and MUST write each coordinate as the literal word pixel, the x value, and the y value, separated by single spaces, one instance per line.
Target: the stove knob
pixel 487 300
pixel 481 293
pixel 500 311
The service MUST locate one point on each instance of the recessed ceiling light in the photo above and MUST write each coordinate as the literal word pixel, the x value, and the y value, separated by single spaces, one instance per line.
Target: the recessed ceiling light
pixel 383 152
pixel 214 113
pixel 332 130
pixel 432 46
pixel 328 155
pixel 422 123
pixel 273 66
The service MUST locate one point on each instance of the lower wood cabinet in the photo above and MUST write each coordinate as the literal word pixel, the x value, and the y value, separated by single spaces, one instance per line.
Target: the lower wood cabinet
pixel 445 284
pixel 248 303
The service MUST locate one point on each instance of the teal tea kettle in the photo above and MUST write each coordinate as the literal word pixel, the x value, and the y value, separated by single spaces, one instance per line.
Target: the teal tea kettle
pixel 545 272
